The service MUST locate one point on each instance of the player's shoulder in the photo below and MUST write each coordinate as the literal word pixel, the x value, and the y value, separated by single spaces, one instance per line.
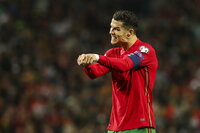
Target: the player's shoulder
pixel 145 47
pixel 112 51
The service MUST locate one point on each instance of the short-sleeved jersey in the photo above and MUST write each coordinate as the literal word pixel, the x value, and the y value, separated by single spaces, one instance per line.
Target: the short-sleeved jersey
pixel 133 76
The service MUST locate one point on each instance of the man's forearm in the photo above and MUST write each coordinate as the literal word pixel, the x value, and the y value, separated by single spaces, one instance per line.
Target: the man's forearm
pixel 119 64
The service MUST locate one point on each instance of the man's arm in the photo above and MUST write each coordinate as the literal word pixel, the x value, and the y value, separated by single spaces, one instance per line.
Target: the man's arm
pixel 91 69
pixel 95 70
pixel 144 56
pixel 119 64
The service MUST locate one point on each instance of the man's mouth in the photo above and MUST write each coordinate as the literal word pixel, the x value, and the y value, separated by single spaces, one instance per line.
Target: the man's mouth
pixel 114 38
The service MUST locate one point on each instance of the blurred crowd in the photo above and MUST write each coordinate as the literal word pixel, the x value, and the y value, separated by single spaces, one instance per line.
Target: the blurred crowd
pixel 43 90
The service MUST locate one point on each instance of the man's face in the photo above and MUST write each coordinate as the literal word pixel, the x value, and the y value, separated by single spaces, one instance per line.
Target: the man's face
pixel 118 33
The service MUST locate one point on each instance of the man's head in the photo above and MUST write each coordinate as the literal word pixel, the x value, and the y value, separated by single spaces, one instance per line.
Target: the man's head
pixel 123 26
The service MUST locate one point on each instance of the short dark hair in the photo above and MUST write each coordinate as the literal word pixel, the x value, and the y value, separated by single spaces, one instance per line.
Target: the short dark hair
pixel 128 18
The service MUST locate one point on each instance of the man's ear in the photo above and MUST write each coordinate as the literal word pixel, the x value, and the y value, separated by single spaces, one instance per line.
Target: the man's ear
pixel 130 32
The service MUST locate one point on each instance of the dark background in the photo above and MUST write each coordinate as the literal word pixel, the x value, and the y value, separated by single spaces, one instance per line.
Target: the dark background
pixel 43 90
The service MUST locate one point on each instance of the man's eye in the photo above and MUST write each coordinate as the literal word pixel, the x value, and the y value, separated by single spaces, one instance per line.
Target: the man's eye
pixel 118 29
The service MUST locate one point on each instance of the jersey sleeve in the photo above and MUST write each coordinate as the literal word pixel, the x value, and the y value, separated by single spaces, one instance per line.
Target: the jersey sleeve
pixel 97 70
pixel 144 56
pixel 118 64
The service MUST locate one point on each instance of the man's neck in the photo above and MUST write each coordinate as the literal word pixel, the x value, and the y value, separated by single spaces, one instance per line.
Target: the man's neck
pixel 130 42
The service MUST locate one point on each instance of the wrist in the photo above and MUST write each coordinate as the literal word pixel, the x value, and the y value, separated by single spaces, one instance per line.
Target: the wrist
pixel 97 58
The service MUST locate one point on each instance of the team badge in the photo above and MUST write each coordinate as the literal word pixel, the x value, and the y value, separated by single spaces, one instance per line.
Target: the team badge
pixel 144 49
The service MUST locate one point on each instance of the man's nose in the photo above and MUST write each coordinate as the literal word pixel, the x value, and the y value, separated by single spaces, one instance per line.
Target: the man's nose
pixel 111 31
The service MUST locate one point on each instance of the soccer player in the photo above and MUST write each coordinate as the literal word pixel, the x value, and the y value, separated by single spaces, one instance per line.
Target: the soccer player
pixel 133 66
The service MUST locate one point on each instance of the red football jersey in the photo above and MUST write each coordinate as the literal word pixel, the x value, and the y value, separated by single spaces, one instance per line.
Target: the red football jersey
pixel 133 76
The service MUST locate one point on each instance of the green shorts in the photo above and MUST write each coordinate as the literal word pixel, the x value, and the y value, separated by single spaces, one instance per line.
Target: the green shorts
pixel 138 130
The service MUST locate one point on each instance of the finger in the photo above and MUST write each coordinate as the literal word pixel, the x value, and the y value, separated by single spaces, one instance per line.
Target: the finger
pixel 78 60
pixel 81 59
pixel 86 59
pixel 91 59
